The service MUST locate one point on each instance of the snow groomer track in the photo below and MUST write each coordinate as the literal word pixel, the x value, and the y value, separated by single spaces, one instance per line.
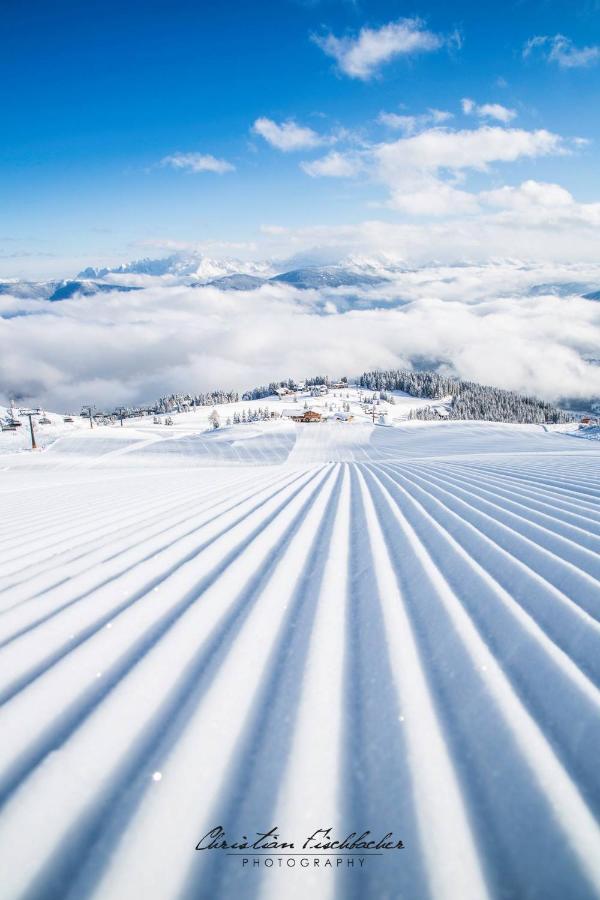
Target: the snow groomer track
pixel 310 626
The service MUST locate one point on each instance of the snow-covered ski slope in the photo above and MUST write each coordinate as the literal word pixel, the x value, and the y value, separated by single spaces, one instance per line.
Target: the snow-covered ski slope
pixel 306 626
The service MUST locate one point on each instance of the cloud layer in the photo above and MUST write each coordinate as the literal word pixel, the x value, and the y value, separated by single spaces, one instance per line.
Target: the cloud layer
pixel 479 322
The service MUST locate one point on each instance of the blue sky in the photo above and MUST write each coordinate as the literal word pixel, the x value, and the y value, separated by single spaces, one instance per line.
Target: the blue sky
pixel 131 127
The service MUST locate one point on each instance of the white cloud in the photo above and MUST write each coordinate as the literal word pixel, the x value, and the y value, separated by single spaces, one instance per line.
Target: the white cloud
pixel 562 51
pixel 542 204
pixel 488 110
pixel 334 165
pixel 439 148
pixel 437 116
pixel 273 229
pixel 362 56
pixel 408 125
pixel 426 195
pixel 530 193
pixel 287 136
pixel 197 162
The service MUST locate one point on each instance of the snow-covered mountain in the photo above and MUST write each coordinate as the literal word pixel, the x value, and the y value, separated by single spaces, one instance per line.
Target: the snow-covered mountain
pixel 234 274
pixel 307 278
pixel 68 289
pixel 137 267
pixel 238 282
pixel 59 290
pixel 192 266
pixel 560 289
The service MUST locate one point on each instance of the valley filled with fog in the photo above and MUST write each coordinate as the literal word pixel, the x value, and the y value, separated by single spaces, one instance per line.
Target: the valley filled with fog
pixel 189 322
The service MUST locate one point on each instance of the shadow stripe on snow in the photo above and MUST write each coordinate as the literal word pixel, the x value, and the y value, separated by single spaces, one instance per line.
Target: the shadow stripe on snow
pixel 71 716
pixel 566 624
pixel 529 499
pixel 545 530
pixel 250 790
pixel 237 495
pixel 155 580
pixel 166 724
pixel 377 787
pixel 547 680
pixel 154 511
pixel 464 693
pixel 580 587
pixel 78 515
pixel 547 480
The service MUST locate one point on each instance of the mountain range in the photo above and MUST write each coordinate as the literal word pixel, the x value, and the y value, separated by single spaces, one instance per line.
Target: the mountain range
pixel 197 270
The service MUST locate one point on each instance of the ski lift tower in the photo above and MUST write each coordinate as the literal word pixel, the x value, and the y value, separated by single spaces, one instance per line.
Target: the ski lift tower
pixel 90 412
pixel 121 410
pixel 30 413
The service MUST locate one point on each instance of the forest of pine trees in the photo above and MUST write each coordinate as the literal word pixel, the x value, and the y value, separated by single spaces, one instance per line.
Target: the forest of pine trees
pixel 469 400
pixel 267 390
pixel 177 402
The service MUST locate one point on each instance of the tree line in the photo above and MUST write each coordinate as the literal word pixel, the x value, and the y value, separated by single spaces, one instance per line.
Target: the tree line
pixel 468 399
pixel 179 402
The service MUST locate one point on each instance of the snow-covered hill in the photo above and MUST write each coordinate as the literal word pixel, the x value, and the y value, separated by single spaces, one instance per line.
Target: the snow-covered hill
pixel 48 428
pixel 38 290
pixel 191 431
pixel 303 626
pixel 87 289
pixel 64 289
pixel 316 277
pixel 238 282
pixel 560 289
